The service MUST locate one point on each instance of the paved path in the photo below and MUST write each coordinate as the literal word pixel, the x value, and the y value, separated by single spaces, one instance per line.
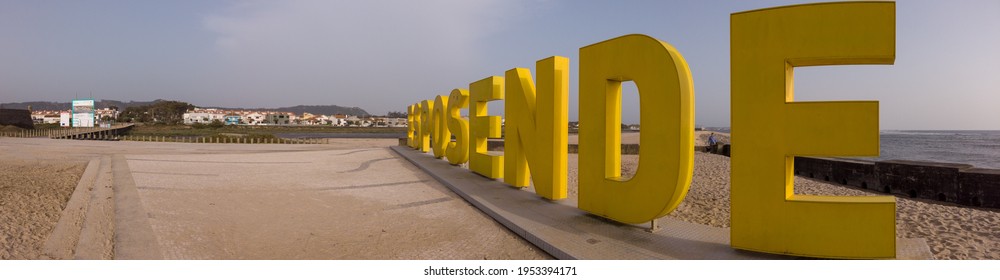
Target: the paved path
pixel 566 232
pixel 352 199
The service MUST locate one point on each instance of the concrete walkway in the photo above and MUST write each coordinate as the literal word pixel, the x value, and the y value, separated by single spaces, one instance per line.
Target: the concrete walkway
pixel 352 199
pixel 567 232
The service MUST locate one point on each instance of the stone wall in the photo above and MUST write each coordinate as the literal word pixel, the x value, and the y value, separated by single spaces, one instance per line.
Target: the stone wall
pixel 718 148
pixel 930 180
pixel 627 149
pixel 979 187
pixel 945 182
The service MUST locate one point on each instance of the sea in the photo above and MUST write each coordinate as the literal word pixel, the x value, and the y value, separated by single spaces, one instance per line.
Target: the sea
pixel 979 148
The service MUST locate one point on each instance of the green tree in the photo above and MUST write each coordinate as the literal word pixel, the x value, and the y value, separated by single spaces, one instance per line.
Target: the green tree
pixel 167 112
pixel 395 114
pixel 216 124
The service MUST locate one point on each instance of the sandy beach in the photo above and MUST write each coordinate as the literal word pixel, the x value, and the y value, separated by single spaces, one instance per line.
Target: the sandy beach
pixel 32 196
pixel 951 231
pixel 700 138
pixel 36 181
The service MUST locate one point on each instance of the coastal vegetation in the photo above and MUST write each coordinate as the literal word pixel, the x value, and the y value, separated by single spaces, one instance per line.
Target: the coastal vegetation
pixel 161 112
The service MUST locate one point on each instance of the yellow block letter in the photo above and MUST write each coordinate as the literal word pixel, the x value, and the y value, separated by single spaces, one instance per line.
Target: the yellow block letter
pixel 425 125
pixel 536 127
pixel 458 151
pixel 666 111
pixel 484 126
pixel 769 129
pixel 439 126
pixel 411 127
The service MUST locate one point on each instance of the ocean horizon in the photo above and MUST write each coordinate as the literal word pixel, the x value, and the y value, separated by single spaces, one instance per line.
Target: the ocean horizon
pixel 979 148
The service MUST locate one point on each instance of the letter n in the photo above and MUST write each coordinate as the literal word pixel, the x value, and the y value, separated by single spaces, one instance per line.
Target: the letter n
pixel 535 140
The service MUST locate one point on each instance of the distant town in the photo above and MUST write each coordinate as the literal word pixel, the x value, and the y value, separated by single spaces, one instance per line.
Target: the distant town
pixel 82 113
pixel 232 117
pixel 85 114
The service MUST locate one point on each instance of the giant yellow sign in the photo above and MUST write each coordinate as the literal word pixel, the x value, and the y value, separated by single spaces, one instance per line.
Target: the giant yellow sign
pixel 484 127
pixel 458 150
pixel 439 126
pixel 666 111
pixel 536 127
pixel 768 126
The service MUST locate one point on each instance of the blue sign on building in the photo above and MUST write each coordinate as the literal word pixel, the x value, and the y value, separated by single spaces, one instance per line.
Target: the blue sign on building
pixel 232 120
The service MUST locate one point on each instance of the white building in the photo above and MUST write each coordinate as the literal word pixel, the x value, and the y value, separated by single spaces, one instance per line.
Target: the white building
pixel 353 121
pixel 323 120
pixel 65 119
pixel 100 114
pixel 38 116
pixel 50 119
pixel 396 122
pixel 204 116
pixel 338 120
pixel 254 118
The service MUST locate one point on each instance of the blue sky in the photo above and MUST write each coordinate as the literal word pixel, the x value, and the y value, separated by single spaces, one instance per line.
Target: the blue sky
pixel 384 55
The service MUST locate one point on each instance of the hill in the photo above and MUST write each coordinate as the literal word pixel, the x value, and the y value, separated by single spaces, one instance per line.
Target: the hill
pixel 312 109
pixel 56 106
